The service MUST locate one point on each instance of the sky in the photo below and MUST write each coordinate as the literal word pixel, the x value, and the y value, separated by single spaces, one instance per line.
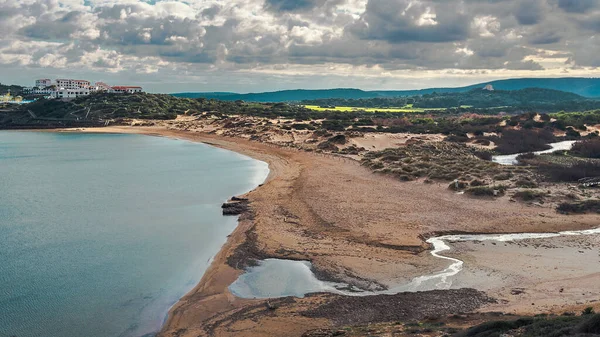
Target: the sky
pixel 264 45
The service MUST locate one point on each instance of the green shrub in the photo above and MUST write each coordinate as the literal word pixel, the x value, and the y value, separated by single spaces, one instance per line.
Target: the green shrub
pixel 529 195
pixel 591 325
pixel 589 148
pixel 525 183
pixel 588 311
pixel 486 191
pixel 476 183
pixel 587 206
pixel 503 176
pixel 569 173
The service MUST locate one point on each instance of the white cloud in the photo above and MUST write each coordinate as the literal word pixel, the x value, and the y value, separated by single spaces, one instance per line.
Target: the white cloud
pixel 388 38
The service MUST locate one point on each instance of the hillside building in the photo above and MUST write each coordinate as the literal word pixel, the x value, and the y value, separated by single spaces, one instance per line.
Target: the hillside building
pixel 125 90
pixel 70 93
pixel 101 86
pixel 43 83
pixel 70 88
pixel 72 84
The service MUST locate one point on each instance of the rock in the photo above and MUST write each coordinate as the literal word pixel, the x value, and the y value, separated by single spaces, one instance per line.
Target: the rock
pixel 517 291
pixel 271 307
pixel 234 208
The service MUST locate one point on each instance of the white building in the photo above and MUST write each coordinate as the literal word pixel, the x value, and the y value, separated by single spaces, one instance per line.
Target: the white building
pixel 42 83
pixel 125 90
pixel 70 88
pixel 101 86
pixel 73 84
pixel 70 93
pixel 42 91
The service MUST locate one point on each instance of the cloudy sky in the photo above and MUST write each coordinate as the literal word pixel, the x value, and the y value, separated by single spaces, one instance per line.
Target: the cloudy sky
pixel 260 45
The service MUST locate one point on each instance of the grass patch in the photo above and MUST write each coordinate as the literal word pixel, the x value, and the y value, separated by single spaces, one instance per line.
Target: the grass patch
pixel 443 161
pixel 405 109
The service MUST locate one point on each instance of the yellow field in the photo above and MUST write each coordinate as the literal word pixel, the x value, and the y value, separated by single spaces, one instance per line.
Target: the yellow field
pixel 406 109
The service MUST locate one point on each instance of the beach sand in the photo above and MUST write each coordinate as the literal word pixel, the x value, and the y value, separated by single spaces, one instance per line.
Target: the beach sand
pixel 355 226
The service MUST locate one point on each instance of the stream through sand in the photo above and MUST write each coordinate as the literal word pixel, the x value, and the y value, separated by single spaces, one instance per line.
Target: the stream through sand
pixel 275 278
pixel 511 159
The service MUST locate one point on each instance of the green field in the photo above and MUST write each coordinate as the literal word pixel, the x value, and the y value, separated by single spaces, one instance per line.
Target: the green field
pixel 405 109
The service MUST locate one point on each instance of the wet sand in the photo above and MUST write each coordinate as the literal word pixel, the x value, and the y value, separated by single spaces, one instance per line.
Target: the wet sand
pixel 535 275
pixel 354 226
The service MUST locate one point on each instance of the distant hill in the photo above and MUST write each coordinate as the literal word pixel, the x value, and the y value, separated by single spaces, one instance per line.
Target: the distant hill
pixel 284 96
pixel 476 98
pixel 14 89
pixel 587 87
pixel 530 99
pixel 204 94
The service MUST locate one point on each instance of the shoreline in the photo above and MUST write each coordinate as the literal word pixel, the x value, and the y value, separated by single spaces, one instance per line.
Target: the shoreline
pixel 209 303
pixel 235 239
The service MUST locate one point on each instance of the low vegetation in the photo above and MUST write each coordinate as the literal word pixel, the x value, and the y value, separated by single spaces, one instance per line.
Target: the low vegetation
pixel 584 325
pixel 443 161
pixel 589 148
pixel 111 106
pixel 14 89
pixel 524 140
pixel 568 324
pixel 530 195
pixel 581 207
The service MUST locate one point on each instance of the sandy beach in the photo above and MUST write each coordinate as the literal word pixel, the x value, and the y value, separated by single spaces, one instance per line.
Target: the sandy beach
pixel 357 227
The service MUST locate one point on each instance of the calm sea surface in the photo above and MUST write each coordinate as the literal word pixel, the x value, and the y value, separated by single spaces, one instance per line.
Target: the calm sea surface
pixel 101 234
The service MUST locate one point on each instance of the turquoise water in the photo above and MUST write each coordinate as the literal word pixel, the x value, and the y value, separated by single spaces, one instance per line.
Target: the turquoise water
pixel 101 234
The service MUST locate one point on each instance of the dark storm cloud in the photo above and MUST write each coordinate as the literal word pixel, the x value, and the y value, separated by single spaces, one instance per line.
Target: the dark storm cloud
pixel 591 23
pixel 545 37
pixel 48 27
pixel 577 6
pixel 529 12
pixel 405 21
pixel 211 11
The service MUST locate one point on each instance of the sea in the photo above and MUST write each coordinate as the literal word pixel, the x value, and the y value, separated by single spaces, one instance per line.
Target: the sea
pixel 100 234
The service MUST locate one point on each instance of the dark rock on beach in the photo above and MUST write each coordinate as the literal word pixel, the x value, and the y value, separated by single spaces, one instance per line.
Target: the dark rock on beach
pixel 235 208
